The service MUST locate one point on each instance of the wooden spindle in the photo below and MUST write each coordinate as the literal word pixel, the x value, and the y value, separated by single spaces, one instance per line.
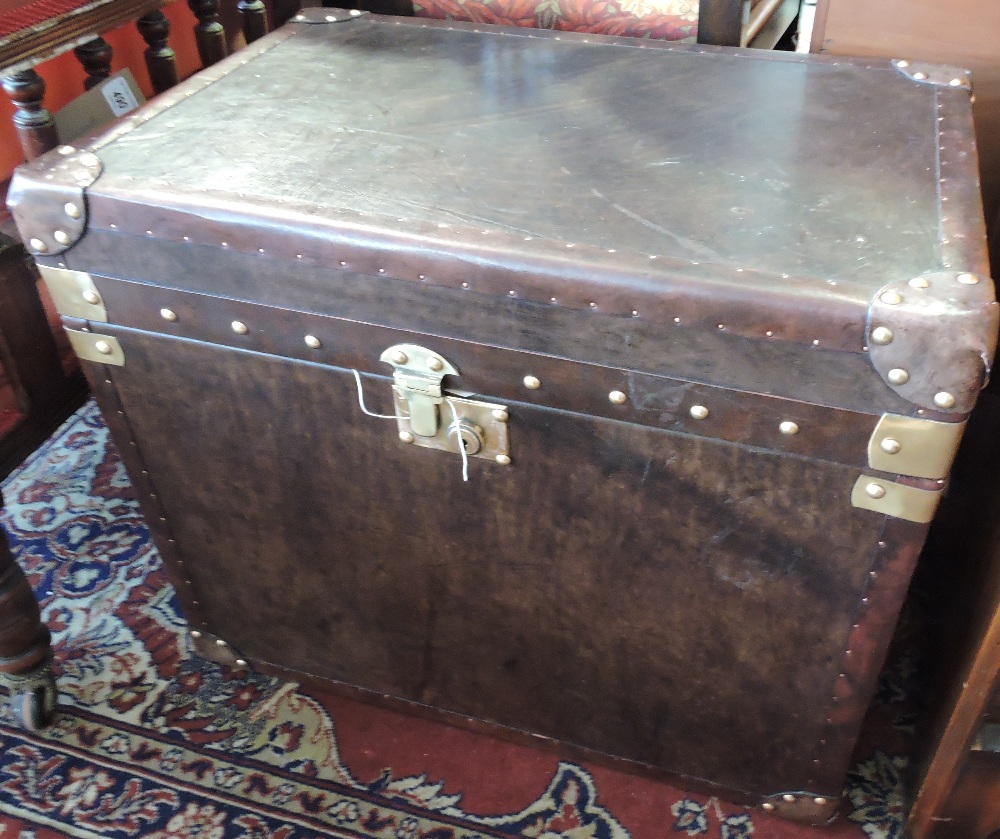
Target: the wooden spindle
pixel 254 19
pixel 161 61
pixel 95 56
pixel 209 32
pixel 25 653
pixel 35 129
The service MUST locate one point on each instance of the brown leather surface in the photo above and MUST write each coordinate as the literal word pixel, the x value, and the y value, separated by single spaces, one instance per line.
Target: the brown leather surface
pixel 642 610
pixel 713 356
pixel 753 419
pixel 571 156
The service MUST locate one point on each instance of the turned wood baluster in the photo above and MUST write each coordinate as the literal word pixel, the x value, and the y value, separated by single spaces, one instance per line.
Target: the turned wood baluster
pixel 161 62
pixel 95 56
pixel 35 129
pixel 254 19
pixel 25 654
pixel 209 33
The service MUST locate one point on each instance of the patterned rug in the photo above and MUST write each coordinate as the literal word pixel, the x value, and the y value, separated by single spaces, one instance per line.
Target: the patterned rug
pixel 153 742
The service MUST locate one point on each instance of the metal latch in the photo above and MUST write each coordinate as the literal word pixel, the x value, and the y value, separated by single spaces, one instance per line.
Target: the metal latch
pixel 428 416
pixel 418 374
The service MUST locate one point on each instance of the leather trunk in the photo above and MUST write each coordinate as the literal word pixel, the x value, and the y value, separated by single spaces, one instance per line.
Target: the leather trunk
pixel 709 323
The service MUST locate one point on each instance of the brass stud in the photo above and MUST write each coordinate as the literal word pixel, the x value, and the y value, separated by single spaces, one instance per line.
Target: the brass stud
pixel 768 805
pixel 92 297
pixel 399 357
pixel 532 382
pixel 921 76
pixel 955 82
pixel 919 282
pixel 168 314
pixel 890 446
pixel 903 64
pixel 967 279
pixel 72 210
pixel 944 400
pixel 434 363
pixel 313 342
pixel 699 412
pixel 874 490
pixel 882 335
pixel 406 436
pixel 62 237
pixel 819 800
pixel 220 643
pixel 38 245
pixel 891 298
pixel 788 427
pixel 103 347
pixel 503 459
pixel 240 328
pixel 195 633
pixel 788 797
pixel 500 415
pixel 616 397
pixel 898 376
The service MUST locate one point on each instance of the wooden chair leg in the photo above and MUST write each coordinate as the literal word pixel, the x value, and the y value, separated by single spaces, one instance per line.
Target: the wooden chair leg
pixel 254 19
pixel 36 130
pixel 25 652
pixel 209 32
pixel 95 56
pixel 161 62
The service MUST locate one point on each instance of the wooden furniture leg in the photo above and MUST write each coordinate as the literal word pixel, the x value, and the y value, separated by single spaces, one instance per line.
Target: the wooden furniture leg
pixel 161 62
pixel 36 130
pixel 25 653
pixel 95 56
pixel 254 19
pixel 209 32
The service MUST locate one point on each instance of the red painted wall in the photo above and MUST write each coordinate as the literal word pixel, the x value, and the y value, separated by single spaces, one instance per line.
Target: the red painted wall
pixel 64 76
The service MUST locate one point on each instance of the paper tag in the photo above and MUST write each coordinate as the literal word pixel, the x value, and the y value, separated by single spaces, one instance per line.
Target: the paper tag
pixel 119 96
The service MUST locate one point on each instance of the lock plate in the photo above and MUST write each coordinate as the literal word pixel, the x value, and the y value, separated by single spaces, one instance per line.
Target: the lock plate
pixel 484 416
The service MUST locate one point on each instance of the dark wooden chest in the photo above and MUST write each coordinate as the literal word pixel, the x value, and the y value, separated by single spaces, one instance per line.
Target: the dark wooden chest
pixel 708 323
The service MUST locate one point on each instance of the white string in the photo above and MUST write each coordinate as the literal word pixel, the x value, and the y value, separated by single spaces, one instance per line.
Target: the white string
pixel 361 401
pixel 454 413
pixel 461 442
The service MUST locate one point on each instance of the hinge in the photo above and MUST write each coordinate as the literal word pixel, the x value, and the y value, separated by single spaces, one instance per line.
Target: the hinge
pixel 104 349
pixel 897 500
pixel 915 447
pixel 74 293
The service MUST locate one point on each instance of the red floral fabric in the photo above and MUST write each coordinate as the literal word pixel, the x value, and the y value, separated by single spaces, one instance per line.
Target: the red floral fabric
pixel 670 20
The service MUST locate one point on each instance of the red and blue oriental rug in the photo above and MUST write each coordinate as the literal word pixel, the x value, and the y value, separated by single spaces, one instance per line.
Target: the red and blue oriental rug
pixel 153 742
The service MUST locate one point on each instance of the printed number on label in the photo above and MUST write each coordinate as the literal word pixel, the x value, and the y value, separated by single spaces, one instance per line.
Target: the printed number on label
pixel 119 96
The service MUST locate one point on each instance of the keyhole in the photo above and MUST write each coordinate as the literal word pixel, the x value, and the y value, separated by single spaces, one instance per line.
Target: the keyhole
pixel 470 435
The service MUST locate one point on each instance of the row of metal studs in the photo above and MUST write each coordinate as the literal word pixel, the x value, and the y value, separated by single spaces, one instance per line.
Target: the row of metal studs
pixel 616 397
